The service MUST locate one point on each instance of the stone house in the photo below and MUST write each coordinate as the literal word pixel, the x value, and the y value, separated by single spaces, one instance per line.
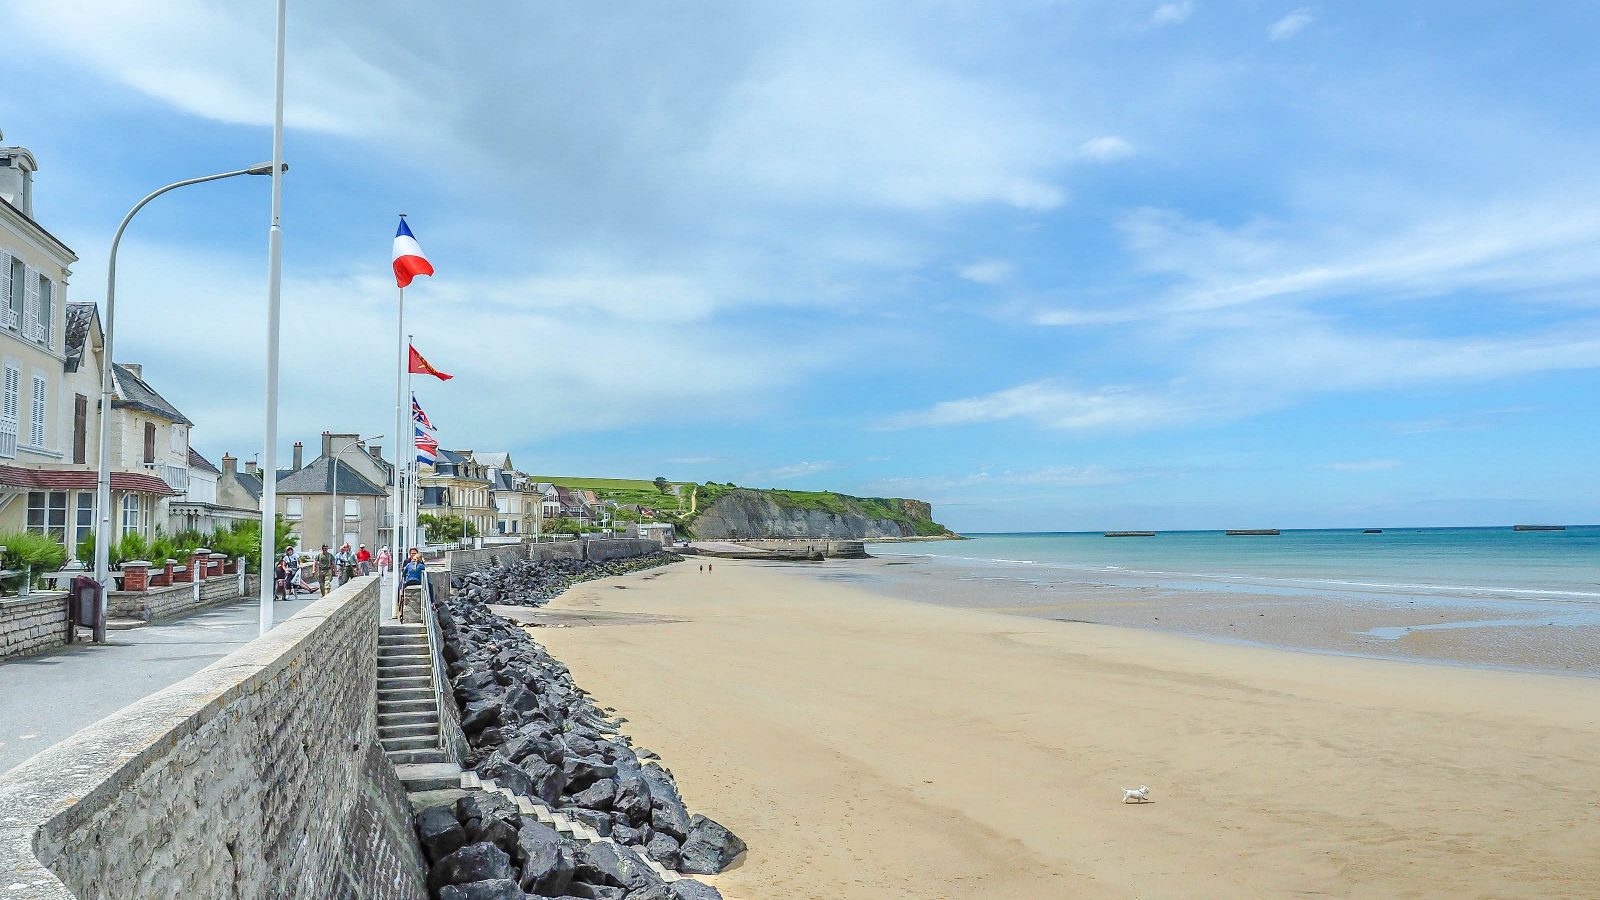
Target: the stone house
pixel 201 508
pixel 50 361
pixel 457 485
pixel 306 495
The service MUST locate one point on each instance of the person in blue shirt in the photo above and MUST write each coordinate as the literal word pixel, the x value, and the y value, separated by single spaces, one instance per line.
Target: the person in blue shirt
pixel 412 572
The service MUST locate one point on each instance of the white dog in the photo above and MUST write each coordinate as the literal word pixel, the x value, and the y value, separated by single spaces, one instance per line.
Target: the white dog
pixel 1136 795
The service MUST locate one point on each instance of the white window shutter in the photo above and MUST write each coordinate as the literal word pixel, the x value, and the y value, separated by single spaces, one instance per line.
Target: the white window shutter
pixel 36 436
pixel 30 301
pixel 13 387
pixel 5 285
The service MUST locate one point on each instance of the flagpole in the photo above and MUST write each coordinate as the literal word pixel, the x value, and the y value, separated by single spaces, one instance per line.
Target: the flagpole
pixel 397 501
pixel 411 492
pixel 269 442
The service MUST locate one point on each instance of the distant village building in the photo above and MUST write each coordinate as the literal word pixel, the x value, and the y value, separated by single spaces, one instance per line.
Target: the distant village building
pixel 306 494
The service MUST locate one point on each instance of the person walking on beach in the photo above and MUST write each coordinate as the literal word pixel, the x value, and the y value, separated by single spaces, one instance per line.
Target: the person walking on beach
pixel 325 571
pixel 364 560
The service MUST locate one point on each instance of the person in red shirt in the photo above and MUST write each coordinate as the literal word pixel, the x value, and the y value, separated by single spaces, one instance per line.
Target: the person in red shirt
pixel 364 560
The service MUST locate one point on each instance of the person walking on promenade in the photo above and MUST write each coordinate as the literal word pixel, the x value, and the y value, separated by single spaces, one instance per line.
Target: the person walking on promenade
pixel 280 580
pixel 325 573
pixel 385 561
pixel 345 559
pixel 364 560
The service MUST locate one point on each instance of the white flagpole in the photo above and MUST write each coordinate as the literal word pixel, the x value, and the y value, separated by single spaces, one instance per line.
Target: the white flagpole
pixel 401 435
pixel 411 457
pixel 269 444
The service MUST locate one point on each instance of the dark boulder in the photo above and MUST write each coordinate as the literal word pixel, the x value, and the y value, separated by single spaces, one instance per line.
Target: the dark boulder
pixel 593 818
pixel 633 797
pixel 492 889
pixel 548 859
pixel 624 834
pixel 662 849
pixel 509 775
pixel 608 864
pixel 474 862
pixel 709 849
pixel 439 832
pixel 689 889
pixel 480 715
pixel 597 795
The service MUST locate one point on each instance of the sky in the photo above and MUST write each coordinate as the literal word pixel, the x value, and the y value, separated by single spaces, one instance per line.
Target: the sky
pixel 1048 265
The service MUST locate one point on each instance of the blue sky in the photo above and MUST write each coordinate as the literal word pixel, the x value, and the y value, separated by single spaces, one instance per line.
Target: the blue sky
pixel 1049 265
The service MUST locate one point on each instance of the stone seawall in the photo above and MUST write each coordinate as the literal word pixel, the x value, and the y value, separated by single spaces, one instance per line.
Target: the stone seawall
pixel 471 562
pixel 259 776
pixel 32 623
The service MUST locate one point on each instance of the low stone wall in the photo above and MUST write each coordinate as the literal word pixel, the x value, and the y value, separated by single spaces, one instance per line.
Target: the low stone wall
pixel 166 602
pixel 824 547
pixel 259 776
pixel 471 562
pixel 32 623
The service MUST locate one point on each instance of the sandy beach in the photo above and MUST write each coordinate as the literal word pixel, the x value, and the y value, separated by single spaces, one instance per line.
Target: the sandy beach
pixel 873 747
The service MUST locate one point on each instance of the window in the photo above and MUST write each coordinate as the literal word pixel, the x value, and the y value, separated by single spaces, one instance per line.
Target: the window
pixel 41 324
pixel 132 517
pixel 80 429
pixel 178 445
pixel 149 442
pixel 294 508
pixel 85 523
pixel 36 432
pixel 47 513
pixel 352 507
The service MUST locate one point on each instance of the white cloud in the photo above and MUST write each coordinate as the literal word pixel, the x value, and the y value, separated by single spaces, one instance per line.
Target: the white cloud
pixel 1290 25
pixel 1055 406
pixel 987 271
pixel 1105 149
pixel 1367 465
pixel 796 470
pixel 1174 13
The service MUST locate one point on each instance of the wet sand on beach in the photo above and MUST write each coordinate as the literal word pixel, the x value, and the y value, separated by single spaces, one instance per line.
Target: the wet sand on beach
pixel 873 747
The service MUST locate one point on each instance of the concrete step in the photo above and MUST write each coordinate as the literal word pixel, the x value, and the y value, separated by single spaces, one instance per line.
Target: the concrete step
pixel 429 730
pixel 428 776
pixel 424 717
pixel 402 629
pixel 392 660
pixel 388 707
pixel 389 682
pixel 402 671
pixel 421 800
pixel 431 755
pixel 419 637
pixel 124 623
pixel 388 650
pixel 409 742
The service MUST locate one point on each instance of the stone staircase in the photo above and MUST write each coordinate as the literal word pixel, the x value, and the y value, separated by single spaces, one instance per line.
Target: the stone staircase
pixel 408 716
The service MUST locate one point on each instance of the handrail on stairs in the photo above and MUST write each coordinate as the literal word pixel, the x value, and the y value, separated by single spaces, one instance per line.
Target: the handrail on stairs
pixel 434 649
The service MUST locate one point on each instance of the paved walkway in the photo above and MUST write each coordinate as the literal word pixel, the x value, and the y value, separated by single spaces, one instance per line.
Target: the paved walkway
pixel 48 696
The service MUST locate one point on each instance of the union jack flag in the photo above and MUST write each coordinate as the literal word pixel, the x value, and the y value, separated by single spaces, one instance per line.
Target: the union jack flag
pixel 417 415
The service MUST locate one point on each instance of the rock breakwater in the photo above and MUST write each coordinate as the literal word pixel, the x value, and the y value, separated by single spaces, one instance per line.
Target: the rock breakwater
pixel 533 730
pixel 528 583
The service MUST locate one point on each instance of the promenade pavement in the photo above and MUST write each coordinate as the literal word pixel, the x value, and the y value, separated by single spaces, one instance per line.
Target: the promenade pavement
pixel 49 696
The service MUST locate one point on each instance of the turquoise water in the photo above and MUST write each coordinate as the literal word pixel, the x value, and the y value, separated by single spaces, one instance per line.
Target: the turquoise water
pixel 1484 563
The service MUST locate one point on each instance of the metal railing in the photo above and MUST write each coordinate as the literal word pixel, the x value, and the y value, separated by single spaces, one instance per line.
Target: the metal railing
pixel 436 650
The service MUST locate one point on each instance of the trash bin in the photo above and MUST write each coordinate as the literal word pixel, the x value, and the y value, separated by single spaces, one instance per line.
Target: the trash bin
pixel 85 598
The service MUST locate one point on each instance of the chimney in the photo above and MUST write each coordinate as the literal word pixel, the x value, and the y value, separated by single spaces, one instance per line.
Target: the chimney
pixel 327 446
pixel 17 166
pixel 299 456
pixel 136 368
pixel 230 465
pixel 375 451
pixel 250 467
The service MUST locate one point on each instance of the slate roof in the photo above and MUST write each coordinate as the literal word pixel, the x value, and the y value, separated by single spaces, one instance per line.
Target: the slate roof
pixel 317 478
pixel 496 459
pixel 133 392
pixel 251 484
pixel 79 317
pixel 196 461
pixel 84 480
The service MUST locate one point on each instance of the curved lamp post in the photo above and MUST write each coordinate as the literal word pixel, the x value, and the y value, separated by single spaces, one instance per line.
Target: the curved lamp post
pixel 102 531
pixel 334 516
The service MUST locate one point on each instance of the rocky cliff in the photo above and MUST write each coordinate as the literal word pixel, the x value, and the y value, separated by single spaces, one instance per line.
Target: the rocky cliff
pixel 746 513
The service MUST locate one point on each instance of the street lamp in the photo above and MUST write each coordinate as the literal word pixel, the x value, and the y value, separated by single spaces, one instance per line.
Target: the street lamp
pixel 334 532
pixel 102 531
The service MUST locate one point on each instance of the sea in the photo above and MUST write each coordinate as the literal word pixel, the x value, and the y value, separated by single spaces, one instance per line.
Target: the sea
pixel 1473 596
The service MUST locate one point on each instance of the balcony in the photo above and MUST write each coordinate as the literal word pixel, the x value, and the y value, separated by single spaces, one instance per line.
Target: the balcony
pixel 176 477
pixel 8 438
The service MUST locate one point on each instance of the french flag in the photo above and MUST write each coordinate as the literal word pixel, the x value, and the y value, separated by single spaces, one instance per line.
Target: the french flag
pixel 427 448
pixel 408 259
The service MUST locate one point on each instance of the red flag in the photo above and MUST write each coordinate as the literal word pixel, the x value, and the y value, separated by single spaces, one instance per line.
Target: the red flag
pixel 420 366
